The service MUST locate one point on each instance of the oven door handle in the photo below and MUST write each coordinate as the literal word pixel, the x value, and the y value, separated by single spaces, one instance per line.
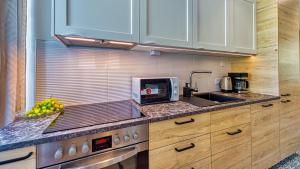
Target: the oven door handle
pixel 99 161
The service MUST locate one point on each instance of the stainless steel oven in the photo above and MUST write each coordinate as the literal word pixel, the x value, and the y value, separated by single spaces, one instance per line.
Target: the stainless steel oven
pixel 119 149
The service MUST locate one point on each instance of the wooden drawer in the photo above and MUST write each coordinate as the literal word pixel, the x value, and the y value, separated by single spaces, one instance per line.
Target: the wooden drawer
pixel 229 138
pixel 227 118
pixel 180 154
pixel 28 163
pixel 172 131
pixel 288 104
pixel 234 158
pixel 264 106
pixel 203 164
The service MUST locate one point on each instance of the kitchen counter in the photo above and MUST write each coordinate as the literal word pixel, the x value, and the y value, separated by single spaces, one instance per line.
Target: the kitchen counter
pixel 27 132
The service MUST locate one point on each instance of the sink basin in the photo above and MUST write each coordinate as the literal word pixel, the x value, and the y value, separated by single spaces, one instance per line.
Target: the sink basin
pixel 209 99
pixel 217 98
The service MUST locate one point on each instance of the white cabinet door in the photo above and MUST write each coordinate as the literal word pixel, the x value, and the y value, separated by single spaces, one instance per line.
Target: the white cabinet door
pixel 243 36
pixel 210 24
pixel 100 19
pixel 166 22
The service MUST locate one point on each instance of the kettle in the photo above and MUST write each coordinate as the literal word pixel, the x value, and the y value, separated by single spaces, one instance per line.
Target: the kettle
pixel 226 84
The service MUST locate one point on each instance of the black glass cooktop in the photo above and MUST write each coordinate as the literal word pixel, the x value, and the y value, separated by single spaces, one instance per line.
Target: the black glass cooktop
pixel 93 114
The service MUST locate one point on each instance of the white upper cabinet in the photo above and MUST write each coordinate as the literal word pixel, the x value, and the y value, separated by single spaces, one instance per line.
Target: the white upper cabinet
pixel 225 25
pixel 166 22
pixel 100 19
pixel 243 26
pixel 220 25
pixel 210 24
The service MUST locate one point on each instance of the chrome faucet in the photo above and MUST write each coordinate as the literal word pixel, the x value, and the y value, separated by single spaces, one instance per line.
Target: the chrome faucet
pixel 188 89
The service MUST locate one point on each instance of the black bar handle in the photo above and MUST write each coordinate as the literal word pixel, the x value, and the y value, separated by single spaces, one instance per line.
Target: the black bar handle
pixel 285 101
pixel 186 148
pixel 267 105
pixel 184 122
pixel 286 94
pixel 16 159
pixel 235 132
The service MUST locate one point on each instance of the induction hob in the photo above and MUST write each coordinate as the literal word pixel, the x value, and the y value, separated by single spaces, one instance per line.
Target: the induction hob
pixel 79 116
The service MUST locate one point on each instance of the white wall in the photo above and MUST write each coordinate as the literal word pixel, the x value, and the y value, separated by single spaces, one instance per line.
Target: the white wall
pixel 79 75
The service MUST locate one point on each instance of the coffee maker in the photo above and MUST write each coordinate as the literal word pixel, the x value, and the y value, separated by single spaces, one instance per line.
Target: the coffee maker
pixel 240 82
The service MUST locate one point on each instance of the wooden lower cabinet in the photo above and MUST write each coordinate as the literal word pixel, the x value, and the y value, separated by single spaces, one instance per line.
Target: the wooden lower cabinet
pixel 178 155
pixel 28 163
pixel 265 135
pixel 238 157
pixel 245 137
pixel 289 126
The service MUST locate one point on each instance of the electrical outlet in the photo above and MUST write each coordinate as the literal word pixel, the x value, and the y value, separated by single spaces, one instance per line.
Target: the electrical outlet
pixel 217 81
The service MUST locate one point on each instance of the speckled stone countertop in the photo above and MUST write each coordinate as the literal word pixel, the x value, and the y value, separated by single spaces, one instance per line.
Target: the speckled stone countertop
pixel 27 132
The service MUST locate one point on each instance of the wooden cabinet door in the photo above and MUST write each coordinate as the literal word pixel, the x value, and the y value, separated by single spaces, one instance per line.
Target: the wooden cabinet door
pixel 210 24
pixel 166 23
pixel 28 153
pixel 243 26
pixel 100 19
pixel 289 125
pixel 265 134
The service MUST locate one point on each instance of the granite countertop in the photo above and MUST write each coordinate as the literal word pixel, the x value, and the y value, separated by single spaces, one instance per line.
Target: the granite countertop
pixel 27 132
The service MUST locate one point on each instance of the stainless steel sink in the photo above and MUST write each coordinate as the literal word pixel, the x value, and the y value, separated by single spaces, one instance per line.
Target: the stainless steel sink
pixel 209 99
pixel 217 98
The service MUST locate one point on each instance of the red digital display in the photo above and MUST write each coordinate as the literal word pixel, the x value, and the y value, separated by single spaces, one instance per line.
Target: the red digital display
pixel 101 141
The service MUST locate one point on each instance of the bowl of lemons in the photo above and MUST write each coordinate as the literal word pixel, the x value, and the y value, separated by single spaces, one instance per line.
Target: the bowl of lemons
pixel 46 107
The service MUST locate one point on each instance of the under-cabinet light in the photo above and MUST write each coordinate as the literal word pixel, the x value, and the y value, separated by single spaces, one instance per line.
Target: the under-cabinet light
pixel 120 43
pixel 80 39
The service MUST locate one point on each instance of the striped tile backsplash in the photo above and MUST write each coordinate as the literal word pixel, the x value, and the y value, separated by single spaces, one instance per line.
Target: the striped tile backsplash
pixel 79 75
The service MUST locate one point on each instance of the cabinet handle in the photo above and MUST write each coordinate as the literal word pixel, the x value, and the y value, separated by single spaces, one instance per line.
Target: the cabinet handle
pixel 16 159
pixel 285 101
pixel 235 132
pixel 184 122
pixel 286 94
pixel 186 148
pixel 267 105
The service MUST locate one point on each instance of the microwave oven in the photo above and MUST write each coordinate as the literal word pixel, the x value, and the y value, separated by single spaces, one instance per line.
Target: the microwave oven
pixel 155 90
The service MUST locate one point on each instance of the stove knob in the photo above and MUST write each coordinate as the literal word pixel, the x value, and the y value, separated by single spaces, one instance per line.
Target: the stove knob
pixel 126 138
pixel 58 154
pixel 85 148
pixel 72 150
pixel 135 136
pixel 117 140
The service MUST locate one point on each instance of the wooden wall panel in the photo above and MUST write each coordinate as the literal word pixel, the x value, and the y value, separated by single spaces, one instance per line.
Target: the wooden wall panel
pixel 288 43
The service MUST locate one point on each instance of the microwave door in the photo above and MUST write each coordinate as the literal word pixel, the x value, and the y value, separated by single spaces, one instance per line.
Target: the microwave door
pixel 155 90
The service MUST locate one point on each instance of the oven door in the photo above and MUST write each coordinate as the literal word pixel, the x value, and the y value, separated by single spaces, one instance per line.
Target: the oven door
pixel 155 90
pixel 132 157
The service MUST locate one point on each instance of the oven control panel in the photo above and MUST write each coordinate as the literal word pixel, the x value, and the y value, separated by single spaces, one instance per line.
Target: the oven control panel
pixel 58 152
